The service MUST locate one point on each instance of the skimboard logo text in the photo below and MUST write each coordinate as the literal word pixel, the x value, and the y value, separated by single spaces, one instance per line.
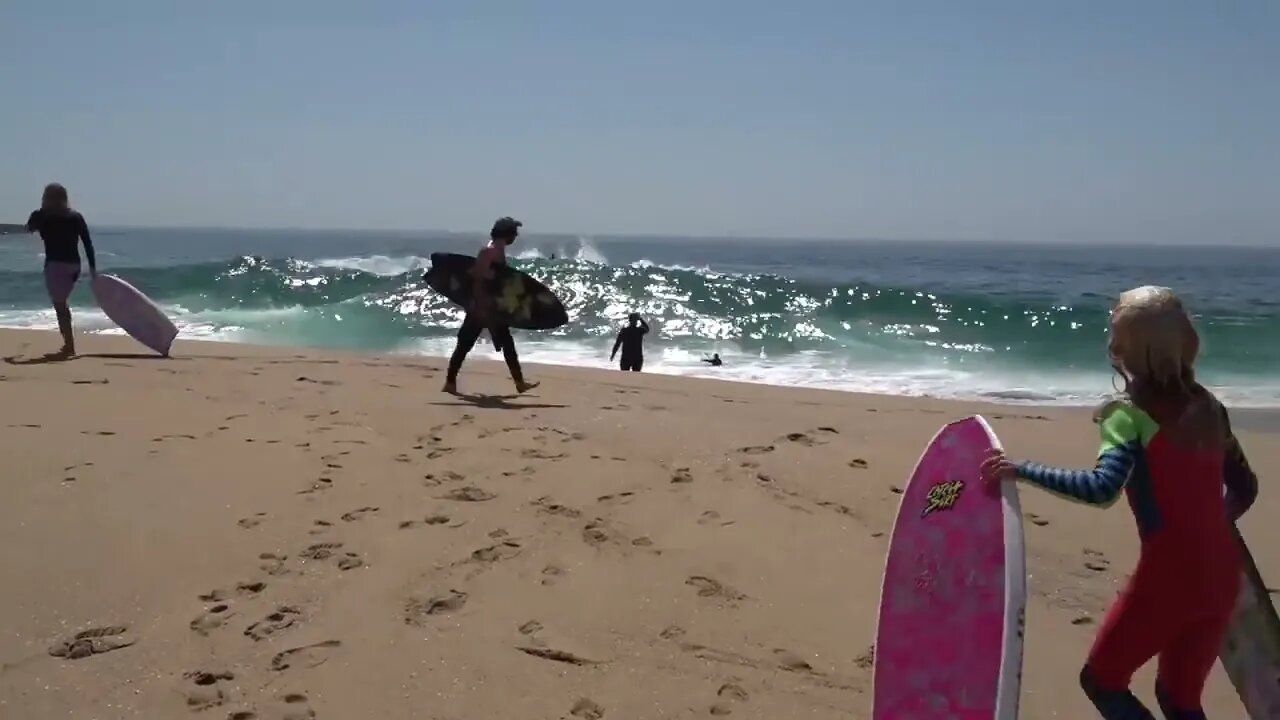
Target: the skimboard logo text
pixel 942 496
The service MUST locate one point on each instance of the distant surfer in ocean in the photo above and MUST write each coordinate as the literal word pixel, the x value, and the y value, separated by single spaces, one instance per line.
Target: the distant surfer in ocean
pixel 714 360
pixel 482 313
pixel 631 340
pixel 62 230
pixel 1167 444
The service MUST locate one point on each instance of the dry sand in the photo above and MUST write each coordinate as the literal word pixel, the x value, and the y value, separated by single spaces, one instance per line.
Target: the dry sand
pixel 275 533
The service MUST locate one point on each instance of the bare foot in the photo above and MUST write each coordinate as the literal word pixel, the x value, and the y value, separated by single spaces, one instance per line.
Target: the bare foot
pixel 524 387
pixel 451 387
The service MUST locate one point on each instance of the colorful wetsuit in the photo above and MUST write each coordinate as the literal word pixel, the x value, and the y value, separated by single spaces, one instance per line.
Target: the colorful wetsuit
pixel 1179 600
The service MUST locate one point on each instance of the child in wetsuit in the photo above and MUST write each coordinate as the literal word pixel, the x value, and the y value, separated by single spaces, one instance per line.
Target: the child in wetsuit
pixel 1169 447
pixel 62 230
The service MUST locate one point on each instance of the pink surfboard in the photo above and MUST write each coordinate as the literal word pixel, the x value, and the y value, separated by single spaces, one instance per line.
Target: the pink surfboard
pixel 953 599
pixel 134 312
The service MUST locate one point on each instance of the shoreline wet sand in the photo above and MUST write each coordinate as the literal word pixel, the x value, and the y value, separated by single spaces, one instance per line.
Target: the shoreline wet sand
pixel 257 532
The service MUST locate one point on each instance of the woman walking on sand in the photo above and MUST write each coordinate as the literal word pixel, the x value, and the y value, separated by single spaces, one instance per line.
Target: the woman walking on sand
pixel 62 230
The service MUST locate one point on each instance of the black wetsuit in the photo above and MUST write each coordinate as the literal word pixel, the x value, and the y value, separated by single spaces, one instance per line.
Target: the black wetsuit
pixel 470 332
pixel 62 232
pixel 631 339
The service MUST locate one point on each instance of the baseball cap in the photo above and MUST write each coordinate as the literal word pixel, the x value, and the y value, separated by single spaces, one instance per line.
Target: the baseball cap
pixel 505 227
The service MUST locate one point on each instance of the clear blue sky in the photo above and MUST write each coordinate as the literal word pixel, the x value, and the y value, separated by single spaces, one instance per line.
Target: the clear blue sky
pixel 1050 120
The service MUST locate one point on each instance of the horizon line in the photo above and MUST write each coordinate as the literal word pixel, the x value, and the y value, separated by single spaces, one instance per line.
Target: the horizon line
pixel 704 237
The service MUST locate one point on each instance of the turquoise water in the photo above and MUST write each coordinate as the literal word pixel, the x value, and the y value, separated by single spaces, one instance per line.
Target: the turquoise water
pixel 1008 321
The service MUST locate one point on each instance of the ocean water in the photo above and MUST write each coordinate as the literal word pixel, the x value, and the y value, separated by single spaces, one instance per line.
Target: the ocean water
pixel 1012 322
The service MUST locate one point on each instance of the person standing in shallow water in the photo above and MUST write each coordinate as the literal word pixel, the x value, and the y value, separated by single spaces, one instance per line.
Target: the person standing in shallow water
pixel 482 314
pixel 62 230
pixel 631 340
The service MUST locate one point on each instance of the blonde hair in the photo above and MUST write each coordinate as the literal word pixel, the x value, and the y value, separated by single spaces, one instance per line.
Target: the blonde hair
pixel 1153 346
pixel 1153 343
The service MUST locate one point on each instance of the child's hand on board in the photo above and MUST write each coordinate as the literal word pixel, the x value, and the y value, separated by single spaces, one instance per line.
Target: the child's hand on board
pixel 997 468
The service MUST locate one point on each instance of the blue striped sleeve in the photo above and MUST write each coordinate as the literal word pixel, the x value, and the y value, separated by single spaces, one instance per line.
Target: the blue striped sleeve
pixel 1122 428
pixel 1100 486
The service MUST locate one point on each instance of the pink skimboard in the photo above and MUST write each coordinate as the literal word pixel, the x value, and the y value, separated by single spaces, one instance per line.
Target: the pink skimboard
pixel 953 600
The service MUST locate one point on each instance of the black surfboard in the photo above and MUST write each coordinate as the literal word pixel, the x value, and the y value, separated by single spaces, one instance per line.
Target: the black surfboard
pixel 522 301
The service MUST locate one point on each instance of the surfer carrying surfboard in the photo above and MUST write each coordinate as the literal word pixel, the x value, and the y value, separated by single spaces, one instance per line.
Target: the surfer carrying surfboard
pixel 62 230
pixel 482 314
pixel 1168 446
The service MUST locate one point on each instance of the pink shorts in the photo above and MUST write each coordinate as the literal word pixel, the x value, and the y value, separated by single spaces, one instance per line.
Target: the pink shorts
pixel 59 279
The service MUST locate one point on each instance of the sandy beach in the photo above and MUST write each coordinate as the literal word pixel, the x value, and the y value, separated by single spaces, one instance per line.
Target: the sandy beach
pixel 268 533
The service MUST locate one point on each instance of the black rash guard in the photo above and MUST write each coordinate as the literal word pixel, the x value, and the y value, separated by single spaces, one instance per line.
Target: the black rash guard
pixel 62 232
pixel 631 340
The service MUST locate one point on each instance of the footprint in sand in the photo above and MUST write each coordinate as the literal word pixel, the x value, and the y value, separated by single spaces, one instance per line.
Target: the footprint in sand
pixel 551 573
pixel 305 656
pixel 1096 561
pixel 212 619
pixel 244 589
pixel 273 564
pixel 728 695
pixel 710 587
pixel 756 449
pixel 866 660
pixel 207 689
pixel 801 439
pixel 292 706
pixel 596 533
pixel 1036 519
pixel 548 506
pixel 252 522
pixel 540 454
pixel 621 498
pixel 332 551
pixel 358 513
pixel 858 463
pixel 672 632
pixel 837 507
pixel 418 610
pixel 709 517
pixel 281 619
pixel 429 520
pixel 470 493
pixel 681 475
pixel 320 484
pixel 587 709
pixel 94 641
pixel 791 662
pixel 493 553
